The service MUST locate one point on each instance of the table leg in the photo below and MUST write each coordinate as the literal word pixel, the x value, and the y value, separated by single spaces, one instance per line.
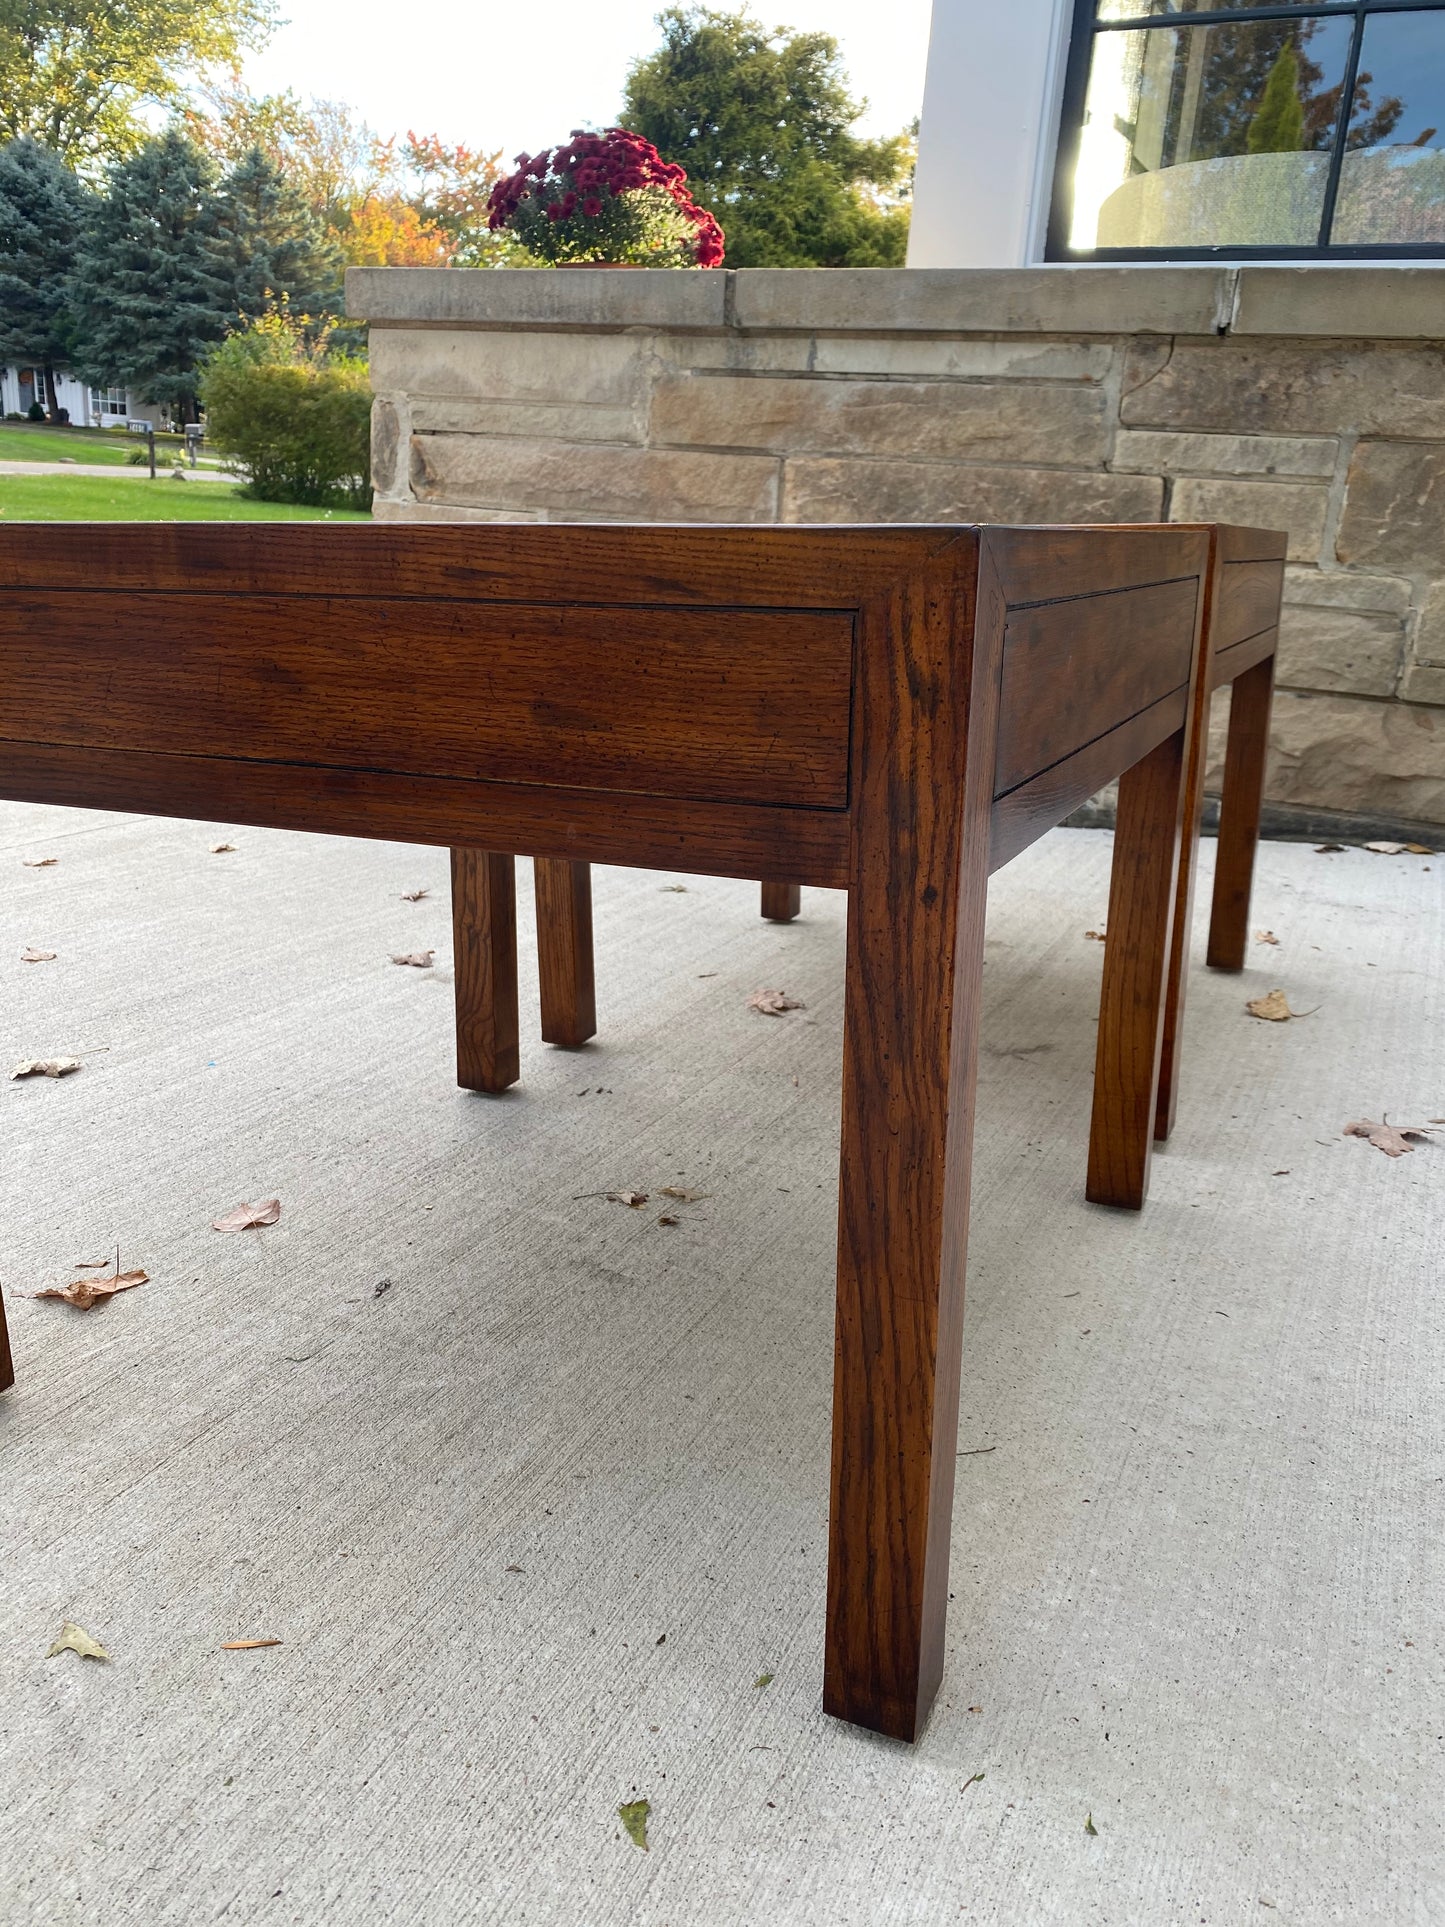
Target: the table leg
pixel 781 901
pixel 1240 804
pixel 564 951
pixel 1177 979
pixel 484 943
pixel 7 1364
pixel 1136 962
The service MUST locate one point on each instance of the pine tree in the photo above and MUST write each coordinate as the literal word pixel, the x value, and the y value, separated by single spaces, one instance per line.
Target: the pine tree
pixel 278 248
pixel 43 209
pixel 154 284
pixel 1278 126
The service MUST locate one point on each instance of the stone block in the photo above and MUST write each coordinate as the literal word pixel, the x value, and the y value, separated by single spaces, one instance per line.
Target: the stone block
pixel 1298 507
pixel 1347 589
pixel 537 297
pixel 964 358
pixel 1423 683
pixel 413 511
pixel 1430 629
pixel 1255 386
pixel 454 365
pixel 1395 505
pixel 733 353
pixel 1379 301
pixel 1345 753
pixel 385 443
pixel 1343 650
pixel 1016 422
pixel 827 490
pixel 1064 299
pixel 563 421
pixel 572 481
pixel 1143 451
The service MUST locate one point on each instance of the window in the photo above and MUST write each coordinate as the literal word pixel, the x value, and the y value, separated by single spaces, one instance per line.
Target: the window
pixel 1218 130
pixel 107 401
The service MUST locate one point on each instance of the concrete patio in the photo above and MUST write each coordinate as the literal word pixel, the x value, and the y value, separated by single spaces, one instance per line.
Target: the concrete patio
pixel 532 1520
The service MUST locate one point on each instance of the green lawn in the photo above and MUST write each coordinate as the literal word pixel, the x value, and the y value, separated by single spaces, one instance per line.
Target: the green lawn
pixel 93 498
pixel 40 444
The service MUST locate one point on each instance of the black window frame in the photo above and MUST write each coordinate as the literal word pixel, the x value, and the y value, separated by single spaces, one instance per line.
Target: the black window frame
pixel 1086 26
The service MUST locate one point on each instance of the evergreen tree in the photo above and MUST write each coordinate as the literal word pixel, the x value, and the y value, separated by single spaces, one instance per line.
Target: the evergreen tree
pixel 278 248
pixel 155 281
pixel 762 123
pixel 1278 126
pixel 43 209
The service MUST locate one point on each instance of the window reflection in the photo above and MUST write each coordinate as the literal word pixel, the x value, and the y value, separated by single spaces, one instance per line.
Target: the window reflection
pixel 1392 181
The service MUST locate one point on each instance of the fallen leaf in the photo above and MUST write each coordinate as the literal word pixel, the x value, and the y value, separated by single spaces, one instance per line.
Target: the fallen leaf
pixel 1265 936
pixel 414 896
pixel 1274 1008
pixel 634 1198
pixel 90 1264
pixel 973 1782
pixel 46 1067
pixel 1328 849
pixel 246 1645
pixel 419 959
pixel 220 849
pixel 1389 1138
pixel 1390 849
pixel 1097 936
pixel 75 1639
pixel 975 1709
pixel 674 889
pixel 1089 1826
pixel 763 1679
pixel 634 1817
pixel 39 862
pixel 1419 849
pixel 381 1287
pixel 84 1292
pixel 245 1217
pixel 681 1191
pixel 666 1219
pixel 772 1003
pixel 36 956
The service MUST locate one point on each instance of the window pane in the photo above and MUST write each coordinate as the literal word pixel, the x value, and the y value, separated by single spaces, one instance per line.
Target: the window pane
pixel 1392 183
pixel 1138 9
pixel 1209 136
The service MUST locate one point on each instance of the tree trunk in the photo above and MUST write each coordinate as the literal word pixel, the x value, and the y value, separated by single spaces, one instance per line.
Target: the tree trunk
pixel 52 402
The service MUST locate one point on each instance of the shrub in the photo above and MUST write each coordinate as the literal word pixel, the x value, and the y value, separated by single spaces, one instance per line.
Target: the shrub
pixel 605 197
pixel 35 412
pixel 294 417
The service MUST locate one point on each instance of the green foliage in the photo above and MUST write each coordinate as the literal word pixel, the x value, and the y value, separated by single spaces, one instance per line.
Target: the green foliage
pixel 154 284
pixel 135 498
pixel 42 210
pixel 295 417
pixel 761 122
pixel 1278 126
pixel 75 74
pixel 276 244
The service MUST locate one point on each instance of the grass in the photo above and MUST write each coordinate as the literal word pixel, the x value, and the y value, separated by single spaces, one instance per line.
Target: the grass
pixel 94 498
pixel 37 443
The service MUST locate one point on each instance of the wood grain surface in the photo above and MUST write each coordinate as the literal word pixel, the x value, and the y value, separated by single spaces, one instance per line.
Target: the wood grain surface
pixel 1245 763
pixel 564 952
pixel 484 940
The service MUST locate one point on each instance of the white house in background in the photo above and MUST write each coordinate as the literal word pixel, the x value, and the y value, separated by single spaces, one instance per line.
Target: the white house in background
pixel 1139 130
pixel 89 407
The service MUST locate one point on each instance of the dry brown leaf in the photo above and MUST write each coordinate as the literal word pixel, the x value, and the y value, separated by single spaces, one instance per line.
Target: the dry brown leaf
pixel 414 896
pixel 1389 1138
pixel 27 955
pixel 246 1645
pixel 1265 936
pixel 220 849
pixel 1399 849
pixel 772 1003
pixel 1329 849
pixel 673 889
pixel 1419 849
pixel 1274 1008
pixel 636 1199
pixel 46 1067
pixel 246 1217
pixel 667 1218
pixel 418 959
pixel 681 1192
pixel 75 1639
pixel 85 1292
pixel 39 862
pixel 1097 936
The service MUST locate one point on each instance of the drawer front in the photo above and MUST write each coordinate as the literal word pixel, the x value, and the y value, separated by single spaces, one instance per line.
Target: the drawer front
pixel 1249 597
pixel 1074 670
pixel 738 705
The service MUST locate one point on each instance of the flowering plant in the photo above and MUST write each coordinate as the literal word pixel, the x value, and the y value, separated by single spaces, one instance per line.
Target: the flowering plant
pixel 605 197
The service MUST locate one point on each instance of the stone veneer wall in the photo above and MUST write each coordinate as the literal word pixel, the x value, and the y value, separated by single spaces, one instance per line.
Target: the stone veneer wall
pixel 1309 399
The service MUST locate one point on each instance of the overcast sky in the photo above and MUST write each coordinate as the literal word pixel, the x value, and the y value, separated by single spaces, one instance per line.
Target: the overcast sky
pixel 524 76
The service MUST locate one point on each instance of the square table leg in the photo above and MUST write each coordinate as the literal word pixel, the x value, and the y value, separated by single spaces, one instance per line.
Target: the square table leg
pixel 7 1364
pixel 1241 803
pixel 1139 933
pixel 564 951
pixel 781 901
pixel 1176 983
pixel 484 943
